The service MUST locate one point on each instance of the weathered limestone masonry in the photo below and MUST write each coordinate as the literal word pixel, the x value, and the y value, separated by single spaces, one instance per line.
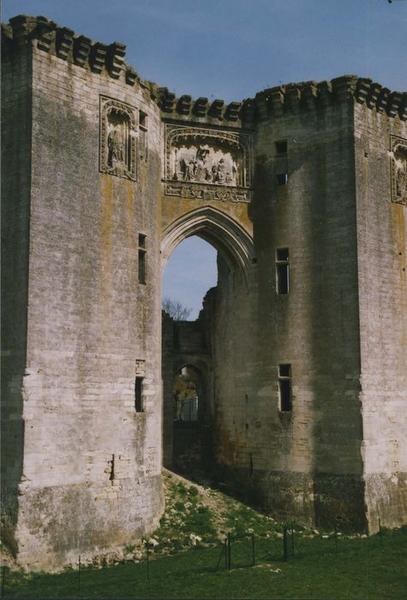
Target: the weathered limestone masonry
pixel 103 175
pixel 82 468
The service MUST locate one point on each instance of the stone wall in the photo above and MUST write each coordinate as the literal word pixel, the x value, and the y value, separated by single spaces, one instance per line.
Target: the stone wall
pixel 382 247
pixel 91 468
pixel 105 175
pixel 15 218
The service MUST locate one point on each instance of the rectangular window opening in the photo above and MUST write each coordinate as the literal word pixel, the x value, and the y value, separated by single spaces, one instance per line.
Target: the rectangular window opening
pixel 142 258
pixel 143 120
pixel 281 147
pixel 142 141
pixel 284 387
pixel 282 178
pixel 138 392
pixel 284 370
pixel 142 266
pixel 282 254
pixel 282 271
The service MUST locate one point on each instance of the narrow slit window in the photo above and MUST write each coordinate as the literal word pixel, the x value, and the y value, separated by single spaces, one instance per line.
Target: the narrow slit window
pixel 281 147
pixel 282 178
pixel 284 387
pixel 143 125
pixel 138 392
pixel 282 271
pixel 142 251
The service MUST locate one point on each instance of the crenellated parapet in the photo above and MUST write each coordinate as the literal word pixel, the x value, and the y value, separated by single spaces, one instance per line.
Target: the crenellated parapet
pixel 62 42
pixel 97 57
pixel 216 112
pixel 312 95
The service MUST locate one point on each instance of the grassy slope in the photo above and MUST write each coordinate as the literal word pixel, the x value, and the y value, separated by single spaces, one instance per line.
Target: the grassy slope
pixel 188 547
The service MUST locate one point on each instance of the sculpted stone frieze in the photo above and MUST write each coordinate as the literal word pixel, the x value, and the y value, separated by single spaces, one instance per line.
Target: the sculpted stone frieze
pixel 118 130
pixel 207 164
pixel 399 169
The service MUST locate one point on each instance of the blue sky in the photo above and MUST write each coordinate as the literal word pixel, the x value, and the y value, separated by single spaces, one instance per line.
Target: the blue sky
pixel 231 49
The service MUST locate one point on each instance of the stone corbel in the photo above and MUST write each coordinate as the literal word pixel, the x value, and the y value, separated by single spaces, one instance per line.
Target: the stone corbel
pixel 232 111
pixel 200 107
pixel 131 76
pixel 184 105
pixel 167 101
pixel 98 57
pixel 394 104
pixel 64 42
pixel 81 50
pixel 116 54
pixel 216 109
pixel 362 90
pixel 383 100
pixel 373 96
pixel 45 33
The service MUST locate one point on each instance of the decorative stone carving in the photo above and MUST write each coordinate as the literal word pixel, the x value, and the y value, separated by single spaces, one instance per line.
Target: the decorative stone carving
pixel 399 169
pixel 207 164
pixel 118 130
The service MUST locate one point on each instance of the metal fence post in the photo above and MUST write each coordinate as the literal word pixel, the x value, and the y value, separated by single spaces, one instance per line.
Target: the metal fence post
pixel 3 579
pixel 79 575
pixel 148 561
pixel 285 543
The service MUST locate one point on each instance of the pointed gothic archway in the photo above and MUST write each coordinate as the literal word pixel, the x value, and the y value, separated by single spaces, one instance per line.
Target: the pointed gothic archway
pixel 235 248
pixel 215 227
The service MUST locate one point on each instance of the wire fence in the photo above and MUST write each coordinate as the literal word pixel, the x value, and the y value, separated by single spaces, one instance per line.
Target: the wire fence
pixel 233 552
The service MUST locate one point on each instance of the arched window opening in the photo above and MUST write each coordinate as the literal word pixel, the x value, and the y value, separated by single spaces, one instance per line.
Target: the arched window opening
pixel 186 396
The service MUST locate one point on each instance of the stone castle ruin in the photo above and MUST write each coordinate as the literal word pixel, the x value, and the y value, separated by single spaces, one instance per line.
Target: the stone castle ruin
pixel 301 348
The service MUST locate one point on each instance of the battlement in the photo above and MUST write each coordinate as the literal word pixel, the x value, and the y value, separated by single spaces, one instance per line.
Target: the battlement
pixel 77 49
pixel 109 58
pixel 312 95
pixel 214 111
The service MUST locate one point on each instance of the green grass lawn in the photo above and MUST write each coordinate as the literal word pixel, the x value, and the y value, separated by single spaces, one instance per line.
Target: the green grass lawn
pixel 373 568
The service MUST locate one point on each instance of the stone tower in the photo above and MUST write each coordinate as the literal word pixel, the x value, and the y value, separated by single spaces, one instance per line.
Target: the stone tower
pixel 301 189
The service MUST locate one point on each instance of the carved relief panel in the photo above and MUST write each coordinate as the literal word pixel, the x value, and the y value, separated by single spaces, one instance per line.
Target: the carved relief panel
pixel 118 131
pixel 207 164
pixel 399 170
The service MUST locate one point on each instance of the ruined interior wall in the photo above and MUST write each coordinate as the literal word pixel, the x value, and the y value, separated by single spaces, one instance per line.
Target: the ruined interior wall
pixel 382 251
pixel 237 421
pixel 310 459
pixel 92 465
pixel 168 370
pixel 186 343
pixel 15 215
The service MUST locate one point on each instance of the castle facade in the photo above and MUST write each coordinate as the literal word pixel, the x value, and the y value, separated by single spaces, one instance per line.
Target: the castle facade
pixel 302 189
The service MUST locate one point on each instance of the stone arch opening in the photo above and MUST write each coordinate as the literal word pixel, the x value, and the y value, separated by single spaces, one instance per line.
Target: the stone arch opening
pixel 189 443
pixel 215 227
pixel 190 427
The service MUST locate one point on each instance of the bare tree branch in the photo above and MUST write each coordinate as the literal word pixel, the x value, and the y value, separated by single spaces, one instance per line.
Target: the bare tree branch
pixel 176 310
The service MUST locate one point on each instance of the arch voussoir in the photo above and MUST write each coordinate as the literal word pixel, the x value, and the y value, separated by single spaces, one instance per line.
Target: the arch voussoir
pixel 216 227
